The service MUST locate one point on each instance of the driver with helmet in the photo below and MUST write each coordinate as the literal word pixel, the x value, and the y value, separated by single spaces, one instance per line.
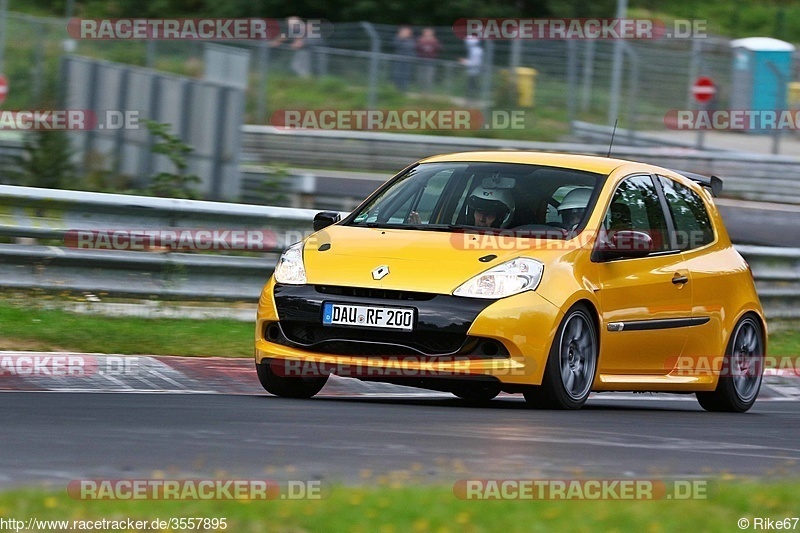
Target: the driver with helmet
pixel 491 208
pixel 573 206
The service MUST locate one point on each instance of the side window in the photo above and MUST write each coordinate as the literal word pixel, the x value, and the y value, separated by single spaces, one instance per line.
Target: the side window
pixel 636 206
pixel 401 213
pixel 423 201
pixel 692 224
pixel 431 195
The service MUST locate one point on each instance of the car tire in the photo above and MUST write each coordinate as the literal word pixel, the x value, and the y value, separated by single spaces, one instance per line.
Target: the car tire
pixel 477 393
pixel 288 387
pixel 742 370
pixel 571 365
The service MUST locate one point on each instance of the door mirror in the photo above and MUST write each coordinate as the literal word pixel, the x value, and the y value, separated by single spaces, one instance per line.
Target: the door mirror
pixel 326 218
pixel 623 244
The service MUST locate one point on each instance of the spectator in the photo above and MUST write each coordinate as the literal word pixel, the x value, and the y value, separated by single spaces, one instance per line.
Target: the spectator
pixel 404 48
pixel 474 64
pixel 296 33
pixel 428 48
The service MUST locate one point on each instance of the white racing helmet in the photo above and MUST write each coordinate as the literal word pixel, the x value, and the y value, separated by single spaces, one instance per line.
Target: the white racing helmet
pixel 497 201
pixel 576 200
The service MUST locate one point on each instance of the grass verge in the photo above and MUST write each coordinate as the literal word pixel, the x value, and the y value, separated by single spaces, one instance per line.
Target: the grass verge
pixel 33 328
pixel 432 508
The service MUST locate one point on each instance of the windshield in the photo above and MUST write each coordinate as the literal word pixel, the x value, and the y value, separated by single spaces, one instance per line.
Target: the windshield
pixel 493 196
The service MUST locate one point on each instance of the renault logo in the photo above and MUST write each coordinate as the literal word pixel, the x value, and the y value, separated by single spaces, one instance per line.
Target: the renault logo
pixel 380 272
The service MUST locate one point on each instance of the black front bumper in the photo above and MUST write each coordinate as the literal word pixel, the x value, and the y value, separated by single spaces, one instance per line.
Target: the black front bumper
pixel 440 329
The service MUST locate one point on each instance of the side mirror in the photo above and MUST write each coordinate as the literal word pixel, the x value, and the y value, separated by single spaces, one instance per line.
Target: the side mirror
pixel 623 244
pixel 326 218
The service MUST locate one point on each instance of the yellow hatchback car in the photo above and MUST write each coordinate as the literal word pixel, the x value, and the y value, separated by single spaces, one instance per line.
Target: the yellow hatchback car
pixel 550 275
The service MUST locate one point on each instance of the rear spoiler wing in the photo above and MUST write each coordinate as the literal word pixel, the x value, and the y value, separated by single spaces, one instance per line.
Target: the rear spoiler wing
pixel 712 182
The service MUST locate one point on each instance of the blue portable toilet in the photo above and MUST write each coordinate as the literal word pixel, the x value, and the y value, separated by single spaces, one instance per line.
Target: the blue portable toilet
pixel 762 70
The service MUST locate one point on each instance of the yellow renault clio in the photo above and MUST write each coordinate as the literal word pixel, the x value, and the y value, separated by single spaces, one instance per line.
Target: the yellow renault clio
pixel 550 275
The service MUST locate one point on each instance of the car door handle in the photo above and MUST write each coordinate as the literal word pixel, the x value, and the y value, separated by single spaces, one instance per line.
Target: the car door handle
pixel 678 279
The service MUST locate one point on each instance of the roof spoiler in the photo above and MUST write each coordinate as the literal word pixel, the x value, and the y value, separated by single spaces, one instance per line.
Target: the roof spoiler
pixel 713 182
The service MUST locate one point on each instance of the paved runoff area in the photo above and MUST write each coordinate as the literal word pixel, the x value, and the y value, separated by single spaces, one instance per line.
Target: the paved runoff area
pixel 79 372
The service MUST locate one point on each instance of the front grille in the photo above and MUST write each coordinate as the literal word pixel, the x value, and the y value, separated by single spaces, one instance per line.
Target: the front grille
pixel 344 341
pixel 357 342
pixel 384 294
pixel 365 349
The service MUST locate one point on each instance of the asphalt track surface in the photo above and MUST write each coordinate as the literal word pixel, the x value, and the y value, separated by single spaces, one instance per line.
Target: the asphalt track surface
pixel 764 224
pixel 55 437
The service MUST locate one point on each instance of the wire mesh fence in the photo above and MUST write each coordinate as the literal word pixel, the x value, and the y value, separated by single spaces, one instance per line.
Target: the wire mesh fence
pixel 362 65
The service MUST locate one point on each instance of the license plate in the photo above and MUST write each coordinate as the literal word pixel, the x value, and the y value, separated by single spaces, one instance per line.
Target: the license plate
pixel 367 316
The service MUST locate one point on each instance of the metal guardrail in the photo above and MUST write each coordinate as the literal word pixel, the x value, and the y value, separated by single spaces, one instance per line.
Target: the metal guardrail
pixel 167 276
pixel 777 275
pixel 747 175
pixel 601 134
pixel 50 213
pixel 44 213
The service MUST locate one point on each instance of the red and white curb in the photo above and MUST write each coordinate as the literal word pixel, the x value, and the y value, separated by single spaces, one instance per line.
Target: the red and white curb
pixel 109 373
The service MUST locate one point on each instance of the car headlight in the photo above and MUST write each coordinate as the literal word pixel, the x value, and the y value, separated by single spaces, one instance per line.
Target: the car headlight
pixel 511 277
pixel 290 269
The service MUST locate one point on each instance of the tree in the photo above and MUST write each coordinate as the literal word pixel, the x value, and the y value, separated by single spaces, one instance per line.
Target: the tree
pixel 47 160
pixel 166 184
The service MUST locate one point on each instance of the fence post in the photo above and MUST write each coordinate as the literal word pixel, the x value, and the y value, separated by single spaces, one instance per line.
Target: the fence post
pixel 148 162
pixel 572 81
pixel 616 68
pixel 119 135
pixel 262 67
pixel 694 68
pixel 782 86
pixel 697 65
pixel 588 73
pixel 223 108
pixel 633 94
pixel 488 78
pixel 91 99
pixel 375 48
pixel 3 31
pixel 38 69
pixel 150 53
pixel 513 63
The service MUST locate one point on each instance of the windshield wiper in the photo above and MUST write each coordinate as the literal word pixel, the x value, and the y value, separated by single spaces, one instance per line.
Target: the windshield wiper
pixel 439 227
pixel 380 225
pixel 419 227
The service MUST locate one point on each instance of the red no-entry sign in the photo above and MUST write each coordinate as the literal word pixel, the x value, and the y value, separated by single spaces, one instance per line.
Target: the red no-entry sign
pixel 703 89
pixel 3 88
